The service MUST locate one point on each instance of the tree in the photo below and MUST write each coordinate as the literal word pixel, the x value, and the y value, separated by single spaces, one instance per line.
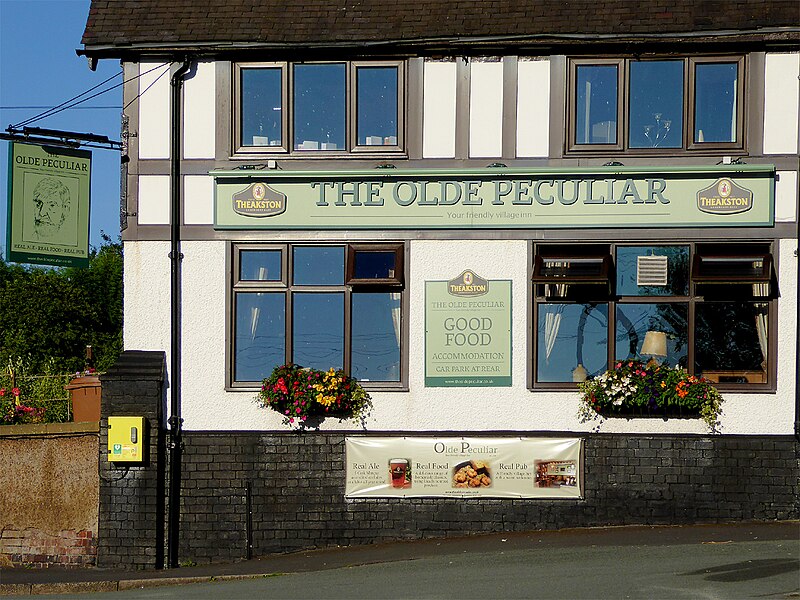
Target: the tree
pixel 52 314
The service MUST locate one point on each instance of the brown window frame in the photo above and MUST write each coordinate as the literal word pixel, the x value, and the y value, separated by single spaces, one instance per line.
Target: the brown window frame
pixel 729 290
pixel 287 288
pixel 394 282
pixel 286 148
pixel 622 145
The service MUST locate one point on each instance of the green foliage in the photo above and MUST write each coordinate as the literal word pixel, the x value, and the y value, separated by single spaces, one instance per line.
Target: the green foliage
pixel 300 394
pixel 632 388
pixel 49 315
pixel 33 398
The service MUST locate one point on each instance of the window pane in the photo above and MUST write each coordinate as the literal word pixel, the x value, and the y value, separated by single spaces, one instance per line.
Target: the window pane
pixel 260 265
pixel 319 107
pixel 318 265
pixel 260 335
pixel 569 335
pixel 635 320
pixel 596 105
pixel 318 330
pixel 731 341
pixel 377 106
pixel 656 104
pixel 375 350
pixel 631 271
pixel 374 265
pixel 261 107
pixel 715 102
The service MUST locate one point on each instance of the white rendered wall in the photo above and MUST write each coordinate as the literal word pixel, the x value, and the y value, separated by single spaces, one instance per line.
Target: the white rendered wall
pixel 198 200
pixel 206 404
pixel 781 103
pixel 533 108
pixel 153 102
pixel 786 196
pixel 153 206
pixel 439 110
pixel 147 305
pixel 199 110
pixel 486 109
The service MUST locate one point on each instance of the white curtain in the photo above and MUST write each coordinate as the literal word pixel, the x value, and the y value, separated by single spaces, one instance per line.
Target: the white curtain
pixel 552 323
pixel 394 298
pixel 255 311
pixel 762 319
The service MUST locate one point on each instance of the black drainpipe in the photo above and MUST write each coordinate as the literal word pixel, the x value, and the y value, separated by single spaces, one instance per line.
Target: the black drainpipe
pixel 175 257
pixel 797 328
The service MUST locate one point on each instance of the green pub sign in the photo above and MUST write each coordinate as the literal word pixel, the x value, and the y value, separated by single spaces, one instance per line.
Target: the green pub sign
pixel 48 205
pixel 468 332
pixel 707 196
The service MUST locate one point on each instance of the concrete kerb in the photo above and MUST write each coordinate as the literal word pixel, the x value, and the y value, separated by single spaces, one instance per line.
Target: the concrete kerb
pixel 81 587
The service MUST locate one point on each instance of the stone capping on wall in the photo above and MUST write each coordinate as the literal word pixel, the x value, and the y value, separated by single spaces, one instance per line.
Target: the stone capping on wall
pixel 49 429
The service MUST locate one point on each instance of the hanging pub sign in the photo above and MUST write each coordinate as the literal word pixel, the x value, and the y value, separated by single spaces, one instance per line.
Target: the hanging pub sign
pixel 508 198
pixel 48 205
pixel 463 467
pixel 468 332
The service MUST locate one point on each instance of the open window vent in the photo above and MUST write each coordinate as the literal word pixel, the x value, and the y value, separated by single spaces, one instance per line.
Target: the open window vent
pixel 651 270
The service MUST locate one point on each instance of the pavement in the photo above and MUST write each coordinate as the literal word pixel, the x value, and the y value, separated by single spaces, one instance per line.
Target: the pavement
pixel 57 580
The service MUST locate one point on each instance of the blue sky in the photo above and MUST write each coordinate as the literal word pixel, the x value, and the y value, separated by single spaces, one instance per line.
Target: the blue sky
pixel 39 68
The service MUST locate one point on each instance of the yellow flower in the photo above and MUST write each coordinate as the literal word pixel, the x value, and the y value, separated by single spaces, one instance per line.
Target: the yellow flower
pixel 663 384
pixel 325 400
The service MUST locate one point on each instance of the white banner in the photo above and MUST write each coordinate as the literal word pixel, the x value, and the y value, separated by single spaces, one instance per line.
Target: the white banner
pixel 508 467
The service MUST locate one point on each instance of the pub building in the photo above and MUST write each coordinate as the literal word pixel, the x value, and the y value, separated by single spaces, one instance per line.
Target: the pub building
pixel 471 209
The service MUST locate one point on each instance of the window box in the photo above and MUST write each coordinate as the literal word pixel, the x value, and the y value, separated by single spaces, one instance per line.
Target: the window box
pixel 633 389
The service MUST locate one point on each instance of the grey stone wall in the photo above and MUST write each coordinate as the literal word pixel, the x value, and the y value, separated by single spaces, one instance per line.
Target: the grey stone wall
pixel 294 485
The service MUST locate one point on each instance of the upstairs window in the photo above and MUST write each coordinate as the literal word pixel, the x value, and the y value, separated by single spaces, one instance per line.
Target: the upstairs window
pixel 316 108
pixel 656 106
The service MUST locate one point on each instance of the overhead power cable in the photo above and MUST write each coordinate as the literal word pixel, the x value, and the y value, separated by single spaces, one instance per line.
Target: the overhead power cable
pixel 74 102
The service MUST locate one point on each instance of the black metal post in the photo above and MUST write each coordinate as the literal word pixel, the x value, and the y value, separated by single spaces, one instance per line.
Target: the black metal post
pixel 175 420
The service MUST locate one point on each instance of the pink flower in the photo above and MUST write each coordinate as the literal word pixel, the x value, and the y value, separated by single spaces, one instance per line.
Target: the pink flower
pixel 15 391
pixel 2 391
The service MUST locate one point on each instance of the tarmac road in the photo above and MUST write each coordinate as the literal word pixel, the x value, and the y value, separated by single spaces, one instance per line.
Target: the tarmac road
pixel 719 561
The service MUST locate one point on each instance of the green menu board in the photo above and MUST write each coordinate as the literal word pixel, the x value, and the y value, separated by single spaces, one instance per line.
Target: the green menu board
pixel 468 332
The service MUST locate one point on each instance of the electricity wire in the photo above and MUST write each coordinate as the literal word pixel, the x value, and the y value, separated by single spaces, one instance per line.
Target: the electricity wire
pixel 71 103
pixel 148 87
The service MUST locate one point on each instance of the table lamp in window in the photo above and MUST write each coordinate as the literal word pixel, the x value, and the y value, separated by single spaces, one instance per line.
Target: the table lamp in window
pixel 654 346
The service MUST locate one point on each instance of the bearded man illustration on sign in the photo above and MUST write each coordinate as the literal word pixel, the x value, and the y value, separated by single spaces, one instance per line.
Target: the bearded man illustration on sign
pixel 51 201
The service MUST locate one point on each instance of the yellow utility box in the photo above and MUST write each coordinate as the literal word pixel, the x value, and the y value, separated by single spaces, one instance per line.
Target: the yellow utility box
pixel 126 439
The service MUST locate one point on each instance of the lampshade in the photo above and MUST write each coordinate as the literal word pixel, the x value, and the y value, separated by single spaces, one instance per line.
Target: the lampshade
pixel 579 373
pixel 655 343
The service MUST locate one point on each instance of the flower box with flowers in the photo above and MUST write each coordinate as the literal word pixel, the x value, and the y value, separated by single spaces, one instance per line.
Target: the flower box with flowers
pixel 634 389
pixel 304 396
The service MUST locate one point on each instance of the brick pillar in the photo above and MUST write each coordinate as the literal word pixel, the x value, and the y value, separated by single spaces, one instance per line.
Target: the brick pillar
pixel 132 496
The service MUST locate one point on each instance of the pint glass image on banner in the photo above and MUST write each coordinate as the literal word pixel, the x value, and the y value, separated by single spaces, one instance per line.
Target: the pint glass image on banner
pixel 399 472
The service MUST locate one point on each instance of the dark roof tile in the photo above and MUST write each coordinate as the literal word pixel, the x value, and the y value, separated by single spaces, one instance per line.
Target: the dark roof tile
pixel 186 22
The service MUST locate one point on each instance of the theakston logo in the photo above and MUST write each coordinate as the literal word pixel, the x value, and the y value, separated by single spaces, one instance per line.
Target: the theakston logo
pixel 467 284
pixel 258 200
pixel 724 198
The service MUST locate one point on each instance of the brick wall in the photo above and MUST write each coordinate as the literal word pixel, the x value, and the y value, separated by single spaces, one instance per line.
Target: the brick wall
pixel 294 484
pixel 132 496
pixel 48 494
